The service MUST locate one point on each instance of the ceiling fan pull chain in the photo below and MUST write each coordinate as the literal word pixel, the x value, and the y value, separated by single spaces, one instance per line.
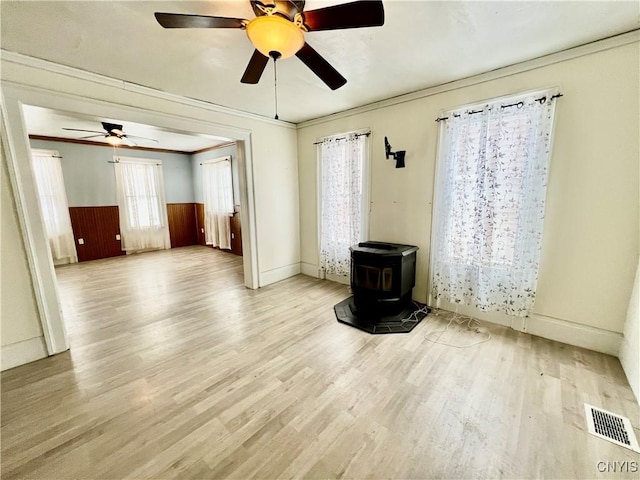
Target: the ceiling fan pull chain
pixel 116 154
pixel 275 83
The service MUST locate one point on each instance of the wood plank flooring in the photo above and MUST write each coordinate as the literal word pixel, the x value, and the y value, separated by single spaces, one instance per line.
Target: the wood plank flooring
pixel 177 371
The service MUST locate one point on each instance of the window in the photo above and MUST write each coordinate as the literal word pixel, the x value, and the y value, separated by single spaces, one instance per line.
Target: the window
pixel 142 199
pixel 142 208
pixel 217 189
pixel 489 204
pixel 52 198
pixel 499 179
pixel 343 199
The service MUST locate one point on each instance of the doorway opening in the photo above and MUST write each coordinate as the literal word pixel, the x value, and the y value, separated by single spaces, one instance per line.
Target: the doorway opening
pixel 18 151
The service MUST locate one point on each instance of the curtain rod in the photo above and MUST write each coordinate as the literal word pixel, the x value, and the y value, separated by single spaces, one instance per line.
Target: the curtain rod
pixel 118 160
pixel 343 138
pixel 214 161
pixel 152 164
pixel 520 104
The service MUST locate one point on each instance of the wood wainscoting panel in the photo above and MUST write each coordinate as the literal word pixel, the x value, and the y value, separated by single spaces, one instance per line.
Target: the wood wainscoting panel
pixel 200 223
pixel 236 232
pixel 182 224
pixel 97 227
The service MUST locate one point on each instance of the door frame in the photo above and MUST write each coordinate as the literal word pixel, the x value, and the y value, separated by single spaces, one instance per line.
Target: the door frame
pixel 17 150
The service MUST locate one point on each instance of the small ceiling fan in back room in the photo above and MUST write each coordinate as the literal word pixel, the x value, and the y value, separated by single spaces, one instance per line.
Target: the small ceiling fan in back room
pixel 112 133
pixel 278 32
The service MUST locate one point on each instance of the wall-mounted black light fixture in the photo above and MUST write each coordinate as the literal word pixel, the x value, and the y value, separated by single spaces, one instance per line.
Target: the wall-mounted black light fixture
pixel 397 156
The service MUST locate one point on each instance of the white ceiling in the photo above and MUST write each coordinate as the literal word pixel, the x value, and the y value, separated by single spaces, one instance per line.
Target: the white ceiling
pixel 50 123
pixel 422 44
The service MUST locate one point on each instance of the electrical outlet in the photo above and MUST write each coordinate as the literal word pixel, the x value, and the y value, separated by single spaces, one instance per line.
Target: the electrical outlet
pixel 81 241
pixel 117 236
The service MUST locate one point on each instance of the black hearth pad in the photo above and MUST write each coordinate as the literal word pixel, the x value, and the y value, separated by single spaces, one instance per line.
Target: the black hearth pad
pixel 402 322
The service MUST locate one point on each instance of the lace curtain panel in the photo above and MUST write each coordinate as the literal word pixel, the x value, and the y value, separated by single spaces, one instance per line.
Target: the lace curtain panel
pixel 489 206
pixel 52 198
pixel 342 163
pixel 142 206
pixel 218 203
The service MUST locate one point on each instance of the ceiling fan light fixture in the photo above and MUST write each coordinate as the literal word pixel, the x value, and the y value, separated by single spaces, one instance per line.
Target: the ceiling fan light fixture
pixel 114 140
pixel 272 33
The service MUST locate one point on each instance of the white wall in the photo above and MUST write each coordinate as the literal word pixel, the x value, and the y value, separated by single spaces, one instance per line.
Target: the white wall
pixel 90 179
pixel 591 227
pixel 630 349
pixel 21 335
pixel 278 203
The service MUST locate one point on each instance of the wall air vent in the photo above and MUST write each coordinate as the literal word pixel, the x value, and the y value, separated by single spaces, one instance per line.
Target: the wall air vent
pixel 611 427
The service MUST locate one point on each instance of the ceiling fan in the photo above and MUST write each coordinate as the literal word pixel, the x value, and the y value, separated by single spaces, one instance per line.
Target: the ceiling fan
pixel 277 31
pixel 113 134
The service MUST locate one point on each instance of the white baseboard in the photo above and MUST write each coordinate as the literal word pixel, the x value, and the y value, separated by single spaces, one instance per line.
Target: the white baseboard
pixel 584 336
pixel 563 331
pixel 16 354
pixel 277 274
pixel 314 271
pixel 64 261
pixel 630 365
pixel 310 269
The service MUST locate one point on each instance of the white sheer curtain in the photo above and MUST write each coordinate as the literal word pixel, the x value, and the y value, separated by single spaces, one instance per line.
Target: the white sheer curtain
pixel 343 199
pixel 141 204
pixel 218 202
pixel 488 214
pixel 52 197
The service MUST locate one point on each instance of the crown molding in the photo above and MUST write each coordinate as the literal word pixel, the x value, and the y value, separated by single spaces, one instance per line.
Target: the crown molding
pixel 539 62
pixel 78 141
pixel 215 147
pixel 27 61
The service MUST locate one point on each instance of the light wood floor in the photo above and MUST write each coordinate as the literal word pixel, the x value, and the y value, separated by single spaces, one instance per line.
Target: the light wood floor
pixel 177 371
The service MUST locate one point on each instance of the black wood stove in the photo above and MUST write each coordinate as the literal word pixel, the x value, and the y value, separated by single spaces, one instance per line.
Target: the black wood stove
pixel 382 277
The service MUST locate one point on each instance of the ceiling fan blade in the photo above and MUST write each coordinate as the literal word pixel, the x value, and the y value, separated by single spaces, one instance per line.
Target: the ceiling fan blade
pixel 321 67
pixel 91 136
pixel 255 68
pixel 81 130
pixel 181 20
pixel 126 135
pixel 347 15
pixel 128 141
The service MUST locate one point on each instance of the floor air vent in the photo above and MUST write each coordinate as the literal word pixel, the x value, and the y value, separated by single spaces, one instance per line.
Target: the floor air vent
pixel 611 427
